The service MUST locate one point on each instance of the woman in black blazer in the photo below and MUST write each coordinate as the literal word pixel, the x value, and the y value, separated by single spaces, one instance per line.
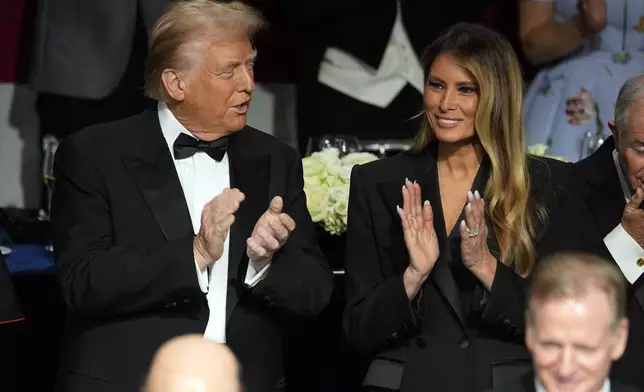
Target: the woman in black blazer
pixel 441 238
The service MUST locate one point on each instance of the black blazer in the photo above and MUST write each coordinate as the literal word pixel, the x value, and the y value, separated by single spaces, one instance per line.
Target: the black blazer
pixel 526 384
pixel 9 305
pixel 440 347
pixel 604 198
pixel 123 242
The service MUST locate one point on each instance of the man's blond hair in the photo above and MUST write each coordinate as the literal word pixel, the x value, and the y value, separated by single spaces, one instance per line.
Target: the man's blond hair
pixel 186 28
pixel 573 275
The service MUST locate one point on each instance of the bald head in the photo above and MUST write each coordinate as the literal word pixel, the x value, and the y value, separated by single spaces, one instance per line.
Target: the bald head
pixel 192 364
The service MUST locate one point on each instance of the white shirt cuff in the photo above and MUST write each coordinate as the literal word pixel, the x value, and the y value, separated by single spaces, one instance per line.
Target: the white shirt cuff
pixel 626 251
pixel 253 276
pixel 202 277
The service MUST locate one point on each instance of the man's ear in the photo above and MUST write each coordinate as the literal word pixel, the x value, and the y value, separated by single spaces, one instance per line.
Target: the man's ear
pixel 621 337
pixel 174 85
pixel 613 129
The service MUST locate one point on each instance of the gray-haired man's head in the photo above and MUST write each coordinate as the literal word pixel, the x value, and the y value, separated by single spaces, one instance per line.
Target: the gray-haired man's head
pixel 628 130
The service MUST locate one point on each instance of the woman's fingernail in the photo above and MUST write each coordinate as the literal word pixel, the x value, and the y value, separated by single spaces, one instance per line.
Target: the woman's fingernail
pixel 427 202
pixel 468 207
pixel 470 195
pixel 477 195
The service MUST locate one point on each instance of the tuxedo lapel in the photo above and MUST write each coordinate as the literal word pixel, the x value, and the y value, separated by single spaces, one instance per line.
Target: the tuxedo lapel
pixel 249 174
pixel 152 169
pixel 606 202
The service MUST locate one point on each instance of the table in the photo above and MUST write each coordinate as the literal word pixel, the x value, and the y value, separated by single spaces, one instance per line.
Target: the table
pixel 29 259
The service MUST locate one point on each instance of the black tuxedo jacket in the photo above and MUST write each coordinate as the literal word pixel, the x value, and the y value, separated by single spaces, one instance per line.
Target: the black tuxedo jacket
pixel 123 242
pixel 363 27
pixel 526 384
pixel 604 198
pixel 9 305
pixel 439 345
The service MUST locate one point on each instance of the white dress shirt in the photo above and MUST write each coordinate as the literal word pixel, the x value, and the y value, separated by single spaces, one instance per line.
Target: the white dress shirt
pixel 203 178
pixel 540 388
pixel 624 249
pixel 343 72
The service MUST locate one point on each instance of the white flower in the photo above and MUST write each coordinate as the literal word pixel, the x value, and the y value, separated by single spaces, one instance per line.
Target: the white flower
pixel 358 158
pixel 538 149
pixel 541 150
pixel 557 157
pixel 326 184
pixel 313 166
pixel 340 197
pixel 317 202
pixel 329 156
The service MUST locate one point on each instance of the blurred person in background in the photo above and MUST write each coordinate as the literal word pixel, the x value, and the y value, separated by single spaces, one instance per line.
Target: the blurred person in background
pixel 358 63
pixel 576 326
pixel 587 48
pixel 88 61
pixel 191 363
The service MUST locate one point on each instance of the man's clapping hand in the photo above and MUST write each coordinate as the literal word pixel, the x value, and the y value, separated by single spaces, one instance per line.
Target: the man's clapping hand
pixel 269 235
pixel 216 218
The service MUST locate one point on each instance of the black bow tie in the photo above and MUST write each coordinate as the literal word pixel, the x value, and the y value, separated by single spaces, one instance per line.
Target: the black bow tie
pixel 186 146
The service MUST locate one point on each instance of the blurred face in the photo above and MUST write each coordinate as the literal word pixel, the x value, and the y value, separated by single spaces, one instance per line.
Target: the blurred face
pixel 451 99
pixel 630 146
pixel 218 89
pixel 573 342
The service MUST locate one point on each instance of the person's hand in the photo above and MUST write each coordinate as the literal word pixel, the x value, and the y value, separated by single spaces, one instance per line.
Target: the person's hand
pixel 417 220
pixel 216 219
pixel 269 235
pixel 474 250
pixel 593 14
pixel 633 217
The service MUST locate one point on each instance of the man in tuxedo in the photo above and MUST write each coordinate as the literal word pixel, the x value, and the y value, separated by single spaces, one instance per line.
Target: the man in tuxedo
pixel 183 219
pixel 359 67
pixel 188 361
pixel 612 183
pixel 576 326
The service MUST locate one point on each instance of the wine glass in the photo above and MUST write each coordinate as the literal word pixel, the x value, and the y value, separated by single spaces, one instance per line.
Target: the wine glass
pixel 590 144
pixel 49 147
pixel 344 143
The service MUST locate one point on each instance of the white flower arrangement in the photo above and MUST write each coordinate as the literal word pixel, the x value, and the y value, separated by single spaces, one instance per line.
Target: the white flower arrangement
pixel 541 150
pixel 326 184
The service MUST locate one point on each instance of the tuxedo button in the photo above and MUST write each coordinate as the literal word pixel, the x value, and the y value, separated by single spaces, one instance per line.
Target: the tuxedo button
pixel 506 323
pixel 186 301
pixel 420 343
pixel 463 344
pixel 268 299
pixel 640 262
pixel 393 336
pixel 171 305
